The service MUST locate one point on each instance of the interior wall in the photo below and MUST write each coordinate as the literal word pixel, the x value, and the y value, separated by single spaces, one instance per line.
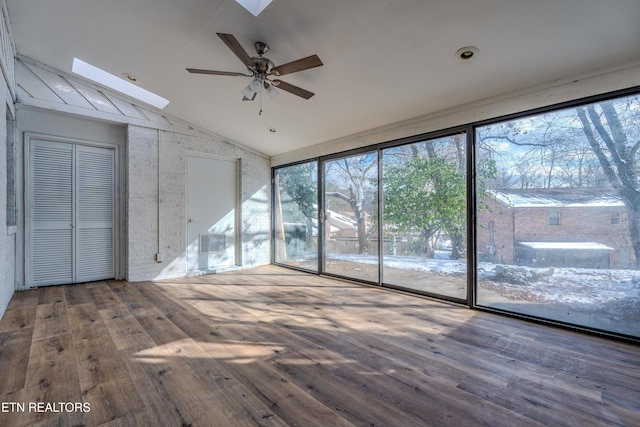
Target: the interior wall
pixel 7 113
pixel 595 82
pixel 156 201
pixel 152 176
pixel 7 233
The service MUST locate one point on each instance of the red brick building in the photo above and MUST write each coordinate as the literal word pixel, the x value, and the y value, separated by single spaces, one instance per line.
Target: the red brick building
pixel 579 227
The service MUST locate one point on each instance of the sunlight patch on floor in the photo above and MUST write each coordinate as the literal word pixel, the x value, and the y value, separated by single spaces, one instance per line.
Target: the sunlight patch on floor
pixel 239 352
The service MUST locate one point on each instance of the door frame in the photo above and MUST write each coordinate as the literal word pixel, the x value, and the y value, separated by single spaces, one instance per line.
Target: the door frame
pixel 237 208
pixel 118 238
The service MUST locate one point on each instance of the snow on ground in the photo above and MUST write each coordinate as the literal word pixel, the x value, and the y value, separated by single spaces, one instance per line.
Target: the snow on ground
pixel 588 286
pixel 564 285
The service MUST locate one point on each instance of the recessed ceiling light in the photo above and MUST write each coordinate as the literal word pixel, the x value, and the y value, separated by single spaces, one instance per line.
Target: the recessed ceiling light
pixel 104 78
pixel 467 52
pixel 254 6
pixel 130 77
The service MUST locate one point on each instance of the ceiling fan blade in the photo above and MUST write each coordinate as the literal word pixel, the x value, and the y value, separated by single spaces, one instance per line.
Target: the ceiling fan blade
pixel 292 89
pixel 235 46
pixel 217 73
pixel 295 66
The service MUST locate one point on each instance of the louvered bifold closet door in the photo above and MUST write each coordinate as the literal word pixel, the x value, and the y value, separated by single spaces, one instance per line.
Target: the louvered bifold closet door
pixel 51 190
pixel 71 187
pixel 94 213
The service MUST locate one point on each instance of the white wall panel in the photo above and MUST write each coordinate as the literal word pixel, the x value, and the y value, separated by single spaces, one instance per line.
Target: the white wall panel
pixel 156 200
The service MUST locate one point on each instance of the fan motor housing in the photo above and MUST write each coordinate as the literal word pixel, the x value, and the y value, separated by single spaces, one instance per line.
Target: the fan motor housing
pixel 261 48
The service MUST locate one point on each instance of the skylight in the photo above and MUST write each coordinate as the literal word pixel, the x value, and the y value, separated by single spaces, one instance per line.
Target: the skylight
pixel 254 6
pixel 116 83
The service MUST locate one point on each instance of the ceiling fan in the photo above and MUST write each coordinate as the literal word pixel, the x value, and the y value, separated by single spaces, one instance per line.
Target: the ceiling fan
pixel 262 70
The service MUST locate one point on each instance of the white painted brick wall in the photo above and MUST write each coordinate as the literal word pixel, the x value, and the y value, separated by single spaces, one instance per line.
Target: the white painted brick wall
pixel 142 201
pixel 160 156
pixel 7 240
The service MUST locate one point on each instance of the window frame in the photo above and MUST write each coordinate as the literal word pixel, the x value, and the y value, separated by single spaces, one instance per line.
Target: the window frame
pixel 470 129
pixel 615 217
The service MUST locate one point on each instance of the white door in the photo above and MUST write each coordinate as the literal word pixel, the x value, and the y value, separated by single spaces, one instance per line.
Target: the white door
pixel 94 213
pixel 70 210
pixel 211 213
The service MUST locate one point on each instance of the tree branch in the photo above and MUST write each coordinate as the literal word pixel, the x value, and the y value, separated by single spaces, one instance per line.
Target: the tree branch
pixel 340 196
pixel 591 138
pixel 514 142
pixel 624 173
pixel 619 136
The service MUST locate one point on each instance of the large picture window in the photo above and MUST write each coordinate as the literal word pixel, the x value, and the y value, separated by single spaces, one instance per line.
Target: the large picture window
pixel 558 219
pixel 349 215
pixel 424 216
pixel 295 215
pixel 550 231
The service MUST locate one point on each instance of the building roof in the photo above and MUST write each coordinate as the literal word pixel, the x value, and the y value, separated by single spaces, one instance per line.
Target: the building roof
pixel 558 197
pixel 567 245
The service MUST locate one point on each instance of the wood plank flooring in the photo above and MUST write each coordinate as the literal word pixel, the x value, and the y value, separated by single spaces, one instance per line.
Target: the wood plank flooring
pixel 275 347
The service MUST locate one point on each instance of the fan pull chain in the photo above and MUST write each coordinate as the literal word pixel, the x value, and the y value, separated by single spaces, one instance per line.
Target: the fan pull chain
pixel 260 95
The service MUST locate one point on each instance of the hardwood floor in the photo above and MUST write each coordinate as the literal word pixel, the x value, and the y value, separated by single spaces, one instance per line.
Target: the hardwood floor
pixel 272 347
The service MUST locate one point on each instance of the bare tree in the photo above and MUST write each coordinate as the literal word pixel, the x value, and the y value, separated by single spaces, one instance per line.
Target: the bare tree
pixel 618 156
pixel 356 174
pixel 545 151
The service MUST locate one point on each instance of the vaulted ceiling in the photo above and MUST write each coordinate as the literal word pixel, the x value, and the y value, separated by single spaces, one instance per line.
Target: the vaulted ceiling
pixel 384 61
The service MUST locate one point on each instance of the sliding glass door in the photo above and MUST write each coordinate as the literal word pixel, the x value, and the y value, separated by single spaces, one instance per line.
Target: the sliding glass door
pixel 350 237
pixel 424 216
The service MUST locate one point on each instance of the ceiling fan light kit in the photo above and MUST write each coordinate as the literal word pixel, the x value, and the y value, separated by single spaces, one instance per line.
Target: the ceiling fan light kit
pixel 248 93
pixel 261 70
pixel 271 91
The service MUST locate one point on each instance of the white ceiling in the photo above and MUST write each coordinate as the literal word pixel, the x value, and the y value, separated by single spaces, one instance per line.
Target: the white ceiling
pixel 384 61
